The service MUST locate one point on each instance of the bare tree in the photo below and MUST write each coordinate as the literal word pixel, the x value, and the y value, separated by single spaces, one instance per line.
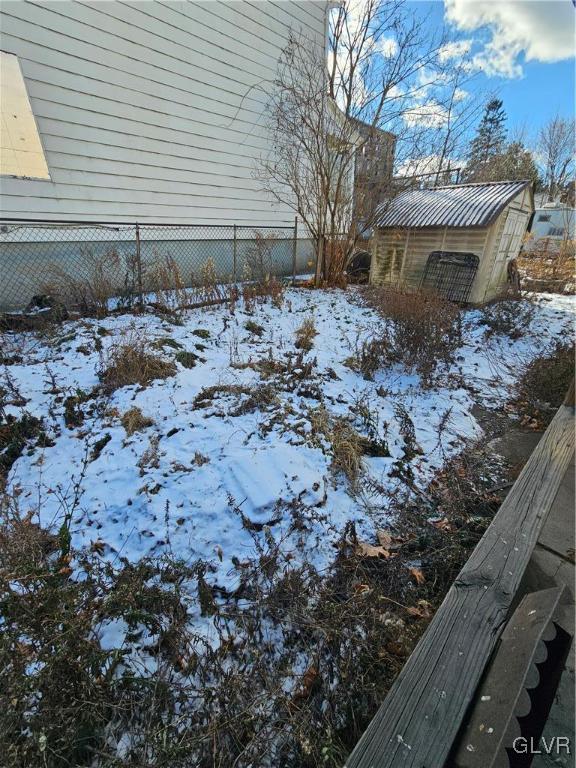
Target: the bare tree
pixel 555 149
pixel 382 77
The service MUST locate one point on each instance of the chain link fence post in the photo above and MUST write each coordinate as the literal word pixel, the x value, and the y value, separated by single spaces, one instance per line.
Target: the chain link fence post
pixel 294 249
pixel 139 268
pixel 234 254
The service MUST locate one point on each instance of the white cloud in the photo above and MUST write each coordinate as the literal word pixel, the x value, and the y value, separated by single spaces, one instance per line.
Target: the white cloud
pixel 542 29
pixel 387 46
pixel 430 115
pixel 428 164
pixel 455 49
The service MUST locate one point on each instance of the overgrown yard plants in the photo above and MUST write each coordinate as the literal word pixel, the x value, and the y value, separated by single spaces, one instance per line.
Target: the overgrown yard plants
pixel 224 529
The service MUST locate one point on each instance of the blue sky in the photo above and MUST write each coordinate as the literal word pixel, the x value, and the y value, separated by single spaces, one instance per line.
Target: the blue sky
pixel 524 50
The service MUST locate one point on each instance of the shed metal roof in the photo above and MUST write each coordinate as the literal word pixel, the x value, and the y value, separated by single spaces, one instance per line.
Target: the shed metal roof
pixel 458 205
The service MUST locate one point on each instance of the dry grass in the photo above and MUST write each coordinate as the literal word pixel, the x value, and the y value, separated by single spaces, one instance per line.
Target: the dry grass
pixel 135 421
pixel 164 279
pixel 132 362
pixel 254 293
pixel 549 268
pixel 346 445
pixel 211 288
pixel 305 335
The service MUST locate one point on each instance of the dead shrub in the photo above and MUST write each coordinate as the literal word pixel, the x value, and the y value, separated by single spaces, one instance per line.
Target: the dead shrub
pixel 422 331
pixel 211 289
pixel 96 280
pixel 305 335
pixel 254 328
pixel 507 317
pixel 370 355
pixel 245 399
pixel 163 278
pixel 132 362
pixel 15 436
pixel 292 373
pixel 544 383
pixel 67 699
pixel 260 257
pixel 254 293
pixel 133 420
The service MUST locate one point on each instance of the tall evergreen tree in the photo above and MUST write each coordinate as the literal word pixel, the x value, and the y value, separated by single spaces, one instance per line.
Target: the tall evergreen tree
pixel 515 162
pixel 489 140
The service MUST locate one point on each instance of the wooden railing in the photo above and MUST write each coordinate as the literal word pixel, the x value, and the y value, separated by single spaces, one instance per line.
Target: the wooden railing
pixel 419 720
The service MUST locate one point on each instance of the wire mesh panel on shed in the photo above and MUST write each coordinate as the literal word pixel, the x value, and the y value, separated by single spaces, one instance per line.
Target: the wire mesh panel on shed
pixel 450 274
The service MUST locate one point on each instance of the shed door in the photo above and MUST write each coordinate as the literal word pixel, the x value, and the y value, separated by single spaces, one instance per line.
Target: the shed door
pixel 509 244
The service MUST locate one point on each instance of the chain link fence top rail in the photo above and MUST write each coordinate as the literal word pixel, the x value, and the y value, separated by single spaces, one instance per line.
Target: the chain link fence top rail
pixel 82 262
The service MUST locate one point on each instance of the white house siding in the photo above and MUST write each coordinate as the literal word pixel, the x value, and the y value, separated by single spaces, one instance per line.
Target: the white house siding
pixel 151 111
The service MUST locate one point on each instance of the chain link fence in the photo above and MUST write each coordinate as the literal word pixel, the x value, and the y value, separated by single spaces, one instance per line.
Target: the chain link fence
pixel 81 262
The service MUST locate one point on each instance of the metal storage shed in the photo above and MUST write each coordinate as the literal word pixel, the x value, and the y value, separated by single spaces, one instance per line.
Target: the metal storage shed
pixel 457 240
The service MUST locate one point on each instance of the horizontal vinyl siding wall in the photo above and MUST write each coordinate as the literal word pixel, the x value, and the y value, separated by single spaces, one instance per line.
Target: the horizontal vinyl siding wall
pixel 151 111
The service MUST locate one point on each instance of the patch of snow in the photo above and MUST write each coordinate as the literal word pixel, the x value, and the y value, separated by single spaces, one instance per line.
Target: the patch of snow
pixel 182 505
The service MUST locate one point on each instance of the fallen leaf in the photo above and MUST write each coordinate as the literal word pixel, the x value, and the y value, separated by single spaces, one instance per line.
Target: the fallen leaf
pixel 442 525
pixel 422 610
pixel 97 546
pixel 308 680
pixel 417 575
pixel 384 538
pixel 369 550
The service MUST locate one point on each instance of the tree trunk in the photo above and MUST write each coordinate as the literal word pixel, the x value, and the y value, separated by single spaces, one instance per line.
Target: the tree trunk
pixel 319 261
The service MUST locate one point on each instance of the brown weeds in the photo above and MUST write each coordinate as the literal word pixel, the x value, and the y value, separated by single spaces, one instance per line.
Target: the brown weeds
pixel 132 362
pixel 421 330
pixel 305 335
pixel 133 420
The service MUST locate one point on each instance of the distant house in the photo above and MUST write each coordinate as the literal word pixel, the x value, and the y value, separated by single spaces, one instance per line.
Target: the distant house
pixel 373 167
pixel 142 111
pixel 457 240
pixel 552 225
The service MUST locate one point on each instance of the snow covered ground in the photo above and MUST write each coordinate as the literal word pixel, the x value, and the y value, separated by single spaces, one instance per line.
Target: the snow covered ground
pixel 208 472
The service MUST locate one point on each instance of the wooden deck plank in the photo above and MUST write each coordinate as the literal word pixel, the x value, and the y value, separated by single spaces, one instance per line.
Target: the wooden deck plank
pixel 419 719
